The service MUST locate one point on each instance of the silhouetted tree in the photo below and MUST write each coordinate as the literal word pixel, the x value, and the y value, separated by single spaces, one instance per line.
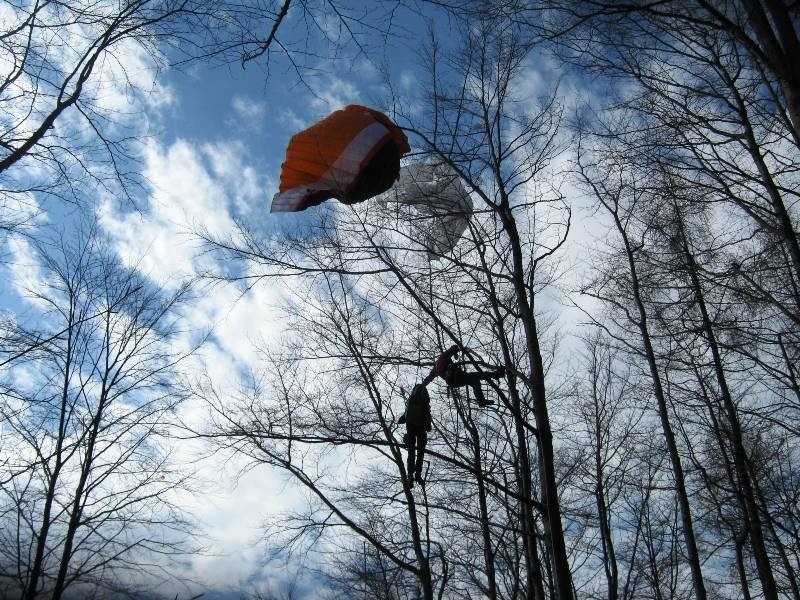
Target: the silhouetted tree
pixel 89 398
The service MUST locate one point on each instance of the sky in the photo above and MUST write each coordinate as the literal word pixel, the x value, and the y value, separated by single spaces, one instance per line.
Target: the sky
pixel 217 156
pixel 214 142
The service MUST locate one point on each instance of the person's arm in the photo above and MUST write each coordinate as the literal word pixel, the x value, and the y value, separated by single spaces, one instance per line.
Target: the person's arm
pixel 429 377
pixel 452 351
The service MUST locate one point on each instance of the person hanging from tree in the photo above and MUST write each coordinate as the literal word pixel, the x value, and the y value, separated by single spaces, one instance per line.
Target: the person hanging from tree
pixel 418 423
pixel 455 376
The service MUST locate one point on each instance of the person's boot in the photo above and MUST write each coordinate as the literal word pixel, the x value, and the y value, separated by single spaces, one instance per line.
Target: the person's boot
pixel 499 373
pixel 480 398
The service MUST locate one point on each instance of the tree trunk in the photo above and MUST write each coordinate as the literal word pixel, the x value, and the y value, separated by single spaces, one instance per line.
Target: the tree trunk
pixel 740 461
pixel 76 513
pixel 533 572
pixel 554 532
pixel 777 38
pixel 690 539
pixel 41 542
pixel 488 555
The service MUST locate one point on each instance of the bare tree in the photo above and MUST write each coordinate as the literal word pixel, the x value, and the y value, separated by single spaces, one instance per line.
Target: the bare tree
pixel 701 340
pixel 764 30
pixel 314 425
pixel 709 319
pixel 478 123
pixel 623 286
pixel 375 279
pixel 727 403
pixel 54 52
pixel 607 450
pixel 714 100
pixel 88 480
pixel 711 87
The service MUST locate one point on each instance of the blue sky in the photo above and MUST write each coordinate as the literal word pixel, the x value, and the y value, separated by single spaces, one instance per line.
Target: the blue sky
pixel 213 142
pixel 212 138
pixel 217 140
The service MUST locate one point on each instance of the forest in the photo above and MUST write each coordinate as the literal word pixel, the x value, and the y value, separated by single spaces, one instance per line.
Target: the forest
pixel 631 263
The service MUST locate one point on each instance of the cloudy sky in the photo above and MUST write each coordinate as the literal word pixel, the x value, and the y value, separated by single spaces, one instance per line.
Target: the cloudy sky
pixel 219 143
pixel 213 142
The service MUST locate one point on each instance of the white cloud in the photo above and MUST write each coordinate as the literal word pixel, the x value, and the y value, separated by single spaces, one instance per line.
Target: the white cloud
pixel 291 121
pixel 20 211
pixel 409 82
pixel 332 93
pixel 197 187
pixel 252 112
pixel 234 514
pixel 185 197
pixel 25 272
pixel 229 165
pixel 127 76
pixel 122 78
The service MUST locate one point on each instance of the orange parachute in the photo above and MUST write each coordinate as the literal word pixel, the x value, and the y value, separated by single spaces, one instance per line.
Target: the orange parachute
pixel 351 155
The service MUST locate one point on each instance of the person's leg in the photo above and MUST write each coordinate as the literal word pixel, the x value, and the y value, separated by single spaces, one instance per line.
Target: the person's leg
pixel 412 443
pixel 497 373
pixel 480 399
pixel 460 378
pixel 422 441
pixel 474 380
pixel 476 377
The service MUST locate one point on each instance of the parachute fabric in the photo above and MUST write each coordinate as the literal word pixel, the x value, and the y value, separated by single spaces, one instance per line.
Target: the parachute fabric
pixel 351 155
pixel 440 205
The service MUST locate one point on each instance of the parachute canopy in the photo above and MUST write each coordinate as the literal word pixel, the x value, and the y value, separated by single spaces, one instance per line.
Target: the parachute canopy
pixel 351 155
pixel 432 199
